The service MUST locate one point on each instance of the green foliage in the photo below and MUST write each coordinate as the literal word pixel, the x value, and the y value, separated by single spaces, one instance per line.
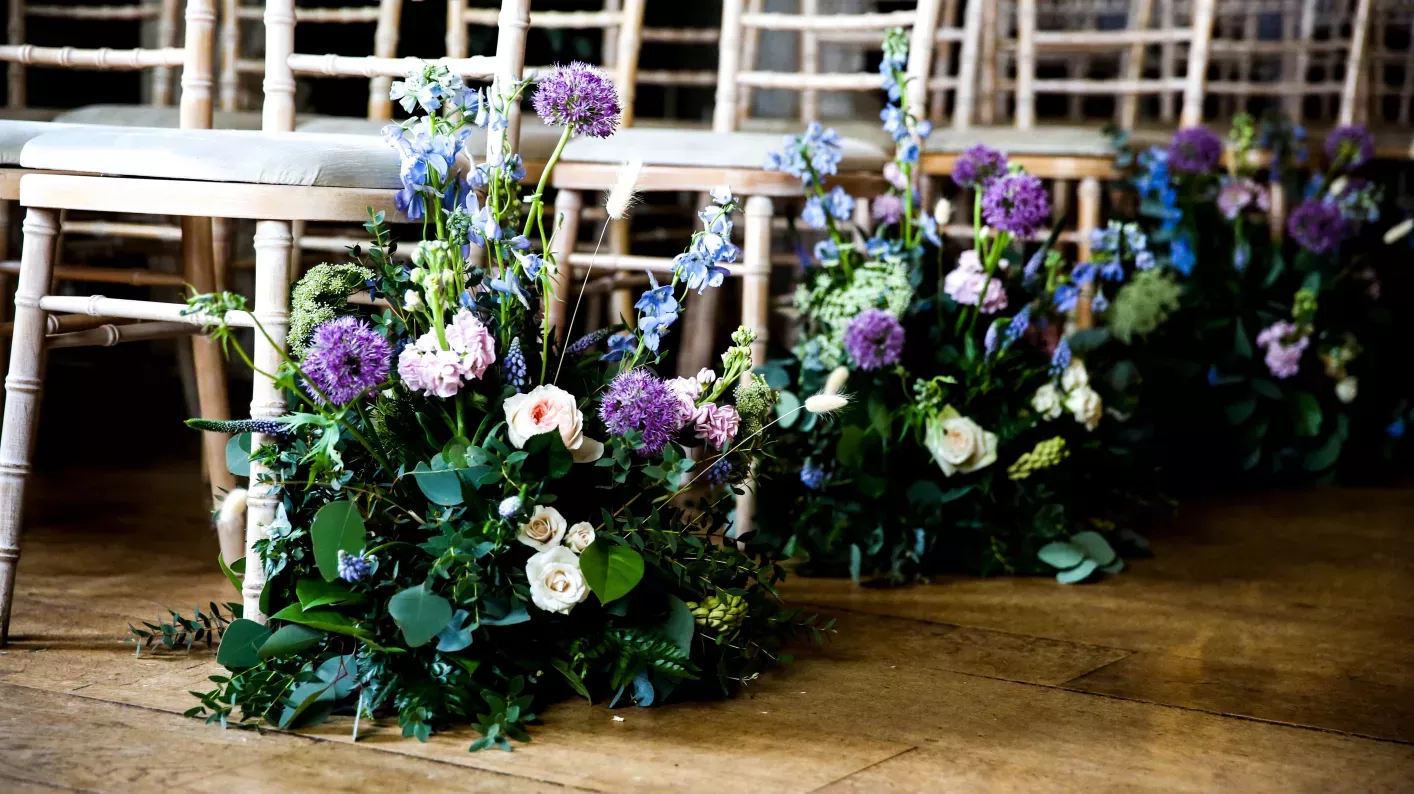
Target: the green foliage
pixel 183 632
pixel 610 569
pixel 320 296
pixel 337 527
pixel 1143 304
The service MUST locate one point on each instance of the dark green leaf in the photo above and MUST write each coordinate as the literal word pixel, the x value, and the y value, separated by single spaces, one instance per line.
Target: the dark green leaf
pixel 240 644
pixel 420 613
pixel 610 570
pixel 1241 345
pixel 1240 412
pixel 337 527
pixel 679 626
pixel 318 593
pixel 440 487
pixel 290 640
pixel 575 682
pixel 326 619
pixel 234 572
pixel 1308 414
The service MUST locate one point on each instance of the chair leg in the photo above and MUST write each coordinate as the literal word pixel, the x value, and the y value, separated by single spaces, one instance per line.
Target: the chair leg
pixel 4 277
pixel 562 304
pixel 221 252
pixel 273 243
pixel 756 275
pixel 23 387
pixel 700 334
pixel 206 356
pixel 621 304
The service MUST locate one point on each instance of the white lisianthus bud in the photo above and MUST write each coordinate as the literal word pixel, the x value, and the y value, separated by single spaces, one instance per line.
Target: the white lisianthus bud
pixel 836 381
pixel 1347 389
pixel 706 375
pixel 411 300
pixel 942 211
pixel 1339 185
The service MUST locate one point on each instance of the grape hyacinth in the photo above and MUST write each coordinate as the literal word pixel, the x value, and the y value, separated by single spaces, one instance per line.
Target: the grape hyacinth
pixel 346 357
pixel 718 474
pixel 813 475
pixel 353 567
pixel 874 339
pixel 509 507
pixel 1195 150
pixel 1060 359
pixel 978 166
pixel 637 400
pixel 1350 146
pixel 1316 226
pixel 585 343
pixel 513 366
pixel 580 97
pixel 1016 203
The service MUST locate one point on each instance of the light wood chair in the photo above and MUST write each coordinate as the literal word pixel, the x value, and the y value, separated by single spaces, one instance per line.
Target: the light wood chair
pixel 1391 68
pixel 162 13
pixel 274 177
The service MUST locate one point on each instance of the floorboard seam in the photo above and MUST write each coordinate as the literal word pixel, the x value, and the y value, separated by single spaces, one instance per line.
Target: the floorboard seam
pixel 898 754
pixel 1079 676
pixel 864 613
pixel 47 784
pixel 305 737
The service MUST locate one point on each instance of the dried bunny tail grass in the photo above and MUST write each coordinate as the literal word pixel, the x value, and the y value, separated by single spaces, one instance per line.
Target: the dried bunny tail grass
pixel 826 404
pixel 836 381
pixel 624 194
pixel 1399 232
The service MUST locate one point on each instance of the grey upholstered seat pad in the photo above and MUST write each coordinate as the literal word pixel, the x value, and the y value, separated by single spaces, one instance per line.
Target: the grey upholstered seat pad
pixel 697 148
pixel 537 140
pixel 1059 141
pixel 217 156
pixel 155 116
pixel 15 134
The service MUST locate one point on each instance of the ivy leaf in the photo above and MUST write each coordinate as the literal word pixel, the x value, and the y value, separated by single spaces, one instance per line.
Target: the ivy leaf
pixel 611 570
pixel 420 613
pixel 240 644
pixel 337 527
pixel 238 455
pixel 289 640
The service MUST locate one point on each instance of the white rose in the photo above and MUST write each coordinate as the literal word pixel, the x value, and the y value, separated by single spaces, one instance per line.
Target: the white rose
pixel 1075 376
pixel 1047 402
pixel 1347 389
pixel 1086 405
pixel 547 408
pixel 960 445
pixel 545 529
pixel 580 536
pixel 556 583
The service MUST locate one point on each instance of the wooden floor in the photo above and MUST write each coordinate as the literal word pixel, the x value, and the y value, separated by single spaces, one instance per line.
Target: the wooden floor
pixel 1269 646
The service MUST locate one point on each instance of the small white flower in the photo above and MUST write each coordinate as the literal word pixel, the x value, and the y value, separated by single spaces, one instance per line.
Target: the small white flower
pixel 411 300
pixel 960 445
pixel 580 536
pixel 1047 402
pixel 1339 185
pixel 722 194
pixel 1085 404
pixel 545 529
pixel 1347 389
pixel 1075 376
pixel 942 212
pixel 706 375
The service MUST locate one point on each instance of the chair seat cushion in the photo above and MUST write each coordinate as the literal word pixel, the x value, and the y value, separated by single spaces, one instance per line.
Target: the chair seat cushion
pixel 1055 141
pixel 154 116
pixel 698 148
pixel 537 139
pixel 15 134
pixel 309 159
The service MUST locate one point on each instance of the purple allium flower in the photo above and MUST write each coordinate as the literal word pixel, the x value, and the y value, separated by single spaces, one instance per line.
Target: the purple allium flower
pixel 637 400
pixel 1016 203
pixel 1317 226
pixel 813 475
pixel 581 97
pixel 1284 348
pixel 874 339
pixel 346 357
pixel 978 166
pixel 352 567
pixel 887 208
pixel 1195 150
pixel 1350 145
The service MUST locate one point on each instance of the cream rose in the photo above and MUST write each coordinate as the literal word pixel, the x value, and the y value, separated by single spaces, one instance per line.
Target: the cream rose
pixel 1347 389
pixel 546 528
pixel 547 408
pixel 1086 405
pixel 1047 402
pixel 1075 376
pixel 960 445
pixel 556 583
pixel 580 536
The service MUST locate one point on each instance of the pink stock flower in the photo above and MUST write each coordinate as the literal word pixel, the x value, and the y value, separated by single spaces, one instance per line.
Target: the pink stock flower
pixel 1284 348
pixel 687 390
pixel 717 424
pixel 469 337
pixel 436 373
pixel 964 284
pixel 427 368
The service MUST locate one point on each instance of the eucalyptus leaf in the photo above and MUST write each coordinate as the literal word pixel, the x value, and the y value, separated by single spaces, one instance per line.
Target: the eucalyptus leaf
pixel 788 409
pixel 289 640
pixel 1060 554
pixel 1077 574
pixel 440 487
pixel 337 526
pixel 1095 546
pixel 420 613
pixel 679 625
pixel 456 635
pixel 342 672
pixel 240 644
pixel 238 455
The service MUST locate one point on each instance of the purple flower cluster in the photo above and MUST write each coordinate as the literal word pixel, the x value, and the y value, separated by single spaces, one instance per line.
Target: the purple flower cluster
pixel 637 400
pixel 978 166
pixel 581 97
pixel 1317 226
pixel 1350 146
pixel 874 339
pixel 353 567
pixel 887 208
pixel 1016 203
pixel 1195 150
pixel 1284 348
pixel 345 358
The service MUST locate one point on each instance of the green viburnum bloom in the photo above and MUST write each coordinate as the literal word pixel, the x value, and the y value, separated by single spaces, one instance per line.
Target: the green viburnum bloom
pixel 754 401
pixel 319 297
pixel 1143 304
pixel 879 284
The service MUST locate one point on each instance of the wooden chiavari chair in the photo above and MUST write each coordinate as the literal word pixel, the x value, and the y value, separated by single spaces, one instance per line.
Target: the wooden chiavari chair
pixel 275 177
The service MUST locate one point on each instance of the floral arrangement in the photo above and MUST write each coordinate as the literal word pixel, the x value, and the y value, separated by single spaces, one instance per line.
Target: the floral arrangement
pixel 974 437
pixel 1268 370
pixel 476 519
